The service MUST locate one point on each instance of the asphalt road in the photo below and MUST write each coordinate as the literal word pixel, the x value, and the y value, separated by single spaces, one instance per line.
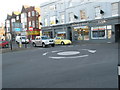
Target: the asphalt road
pixel 71 66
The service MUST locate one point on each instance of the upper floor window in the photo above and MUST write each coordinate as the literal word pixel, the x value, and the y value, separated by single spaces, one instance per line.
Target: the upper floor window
pixel 17 18
pixel 71 16
pixel 97 12
pixel 53 7
pixel 29 23
pixel 52 20
pixel 29 14
pixel 62 18
pixel 46 22
pixel 23 15
pixel 70 3
pixel 33 24
pixel 114 9
pixel 13 20
pixel 61 5
pixel 82 15
pixel 33 13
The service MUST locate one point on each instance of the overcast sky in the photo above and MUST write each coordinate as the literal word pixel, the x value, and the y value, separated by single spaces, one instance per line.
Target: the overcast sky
pixel 7 6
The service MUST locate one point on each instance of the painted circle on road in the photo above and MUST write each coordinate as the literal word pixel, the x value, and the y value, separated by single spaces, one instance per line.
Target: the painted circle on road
pixel 68 53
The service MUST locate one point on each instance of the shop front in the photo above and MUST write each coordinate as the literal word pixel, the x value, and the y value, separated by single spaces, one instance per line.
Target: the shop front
pixel 33 34
pixel 102 30
pixel 81 33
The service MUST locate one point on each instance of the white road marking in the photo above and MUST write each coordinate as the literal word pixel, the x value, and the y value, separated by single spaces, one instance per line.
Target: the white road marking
pixel 56 51
pixel 69 57
pixel 92 51
pixel 68 53
pixel 44 54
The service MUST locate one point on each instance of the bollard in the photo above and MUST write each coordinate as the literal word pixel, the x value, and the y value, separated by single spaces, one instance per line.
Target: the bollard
pixel 20 44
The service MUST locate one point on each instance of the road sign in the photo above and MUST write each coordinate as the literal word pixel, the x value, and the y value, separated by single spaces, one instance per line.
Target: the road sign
pixel 30 28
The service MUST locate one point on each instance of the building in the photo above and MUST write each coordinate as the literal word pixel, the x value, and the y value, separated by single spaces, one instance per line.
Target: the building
pixel 13 25
pixel 30 18
pixel 2 32
pixel 24 23
pixel 83 20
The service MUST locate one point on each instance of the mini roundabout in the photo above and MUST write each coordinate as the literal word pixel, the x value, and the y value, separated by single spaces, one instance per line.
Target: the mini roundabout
pixel 69 54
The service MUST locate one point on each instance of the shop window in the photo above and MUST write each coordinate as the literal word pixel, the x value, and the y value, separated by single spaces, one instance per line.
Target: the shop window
pixel 81 33
pixel 98 32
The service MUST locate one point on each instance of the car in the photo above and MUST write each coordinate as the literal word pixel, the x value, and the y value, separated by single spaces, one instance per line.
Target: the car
pixel 22 39
pixel 4 43
pixel 43 41
pixel 62 41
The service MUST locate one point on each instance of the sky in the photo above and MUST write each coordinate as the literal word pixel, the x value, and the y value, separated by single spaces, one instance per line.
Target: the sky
pixel 8 6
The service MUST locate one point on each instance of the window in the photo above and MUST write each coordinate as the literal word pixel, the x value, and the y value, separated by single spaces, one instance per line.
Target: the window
pixel 37 23
pixel 52 20
pixel 33 24
pixel 46 22
pixel 98 32
pixel 70 3
pixel 29 14
pixel 53 7
pixel 61 5
pixel 33 13
pixel 17 18
pixel 81 33
pixel 114 9
pixel 62 18
pixel 82 15
pixel 29 23
pixel 71 17
pixel 13 20
pixel 97 12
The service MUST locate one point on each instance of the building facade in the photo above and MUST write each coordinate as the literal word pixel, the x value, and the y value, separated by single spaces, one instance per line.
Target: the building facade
pixel 83 20
pixel 13 25
pixel 30 17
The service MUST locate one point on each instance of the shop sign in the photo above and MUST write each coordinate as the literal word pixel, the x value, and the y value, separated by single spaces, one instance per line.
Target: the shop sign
pixel 80 24
pixel 102 21
pixel 33 32
pixel 82 27
pixel 99 28
pixel 17 29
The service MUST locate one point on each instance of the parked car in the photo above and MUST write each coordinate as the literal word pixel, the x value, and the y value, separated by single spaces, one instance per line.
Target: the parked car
pixel 4 43
pixel 22 39
pixel 43 41
pixel 62 41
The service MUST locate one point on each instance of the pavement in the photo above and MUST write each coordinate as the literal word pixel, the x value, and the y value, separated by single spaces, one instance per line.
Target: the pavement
pixel 16 48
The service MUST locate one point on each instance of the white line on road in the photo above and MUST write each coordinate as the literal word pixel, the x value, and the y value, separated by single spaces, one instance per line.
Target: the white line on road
pixel 69 57
pixel 44 54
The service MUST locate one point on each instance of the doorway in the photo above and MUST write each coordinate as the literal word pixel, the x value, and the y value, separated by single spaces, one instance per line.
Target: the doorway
pixel 117 33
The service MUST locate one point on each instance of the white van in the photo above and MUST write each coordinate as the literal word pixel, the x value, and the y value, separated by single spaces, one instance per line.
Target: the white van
pixel 22 39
